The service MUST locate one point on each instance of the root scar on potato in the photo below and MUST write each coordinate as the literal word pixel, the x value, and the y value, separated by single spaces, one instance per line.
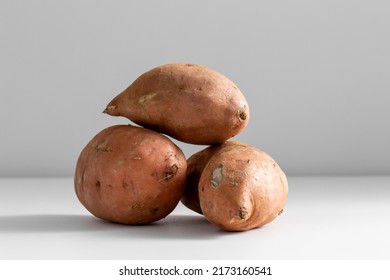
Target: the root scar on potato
pixel 243 213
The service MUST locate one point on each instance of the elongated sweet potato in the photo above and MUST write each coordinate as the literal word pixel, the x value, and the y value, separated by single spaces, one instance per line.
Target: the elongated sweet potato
pixel 189 102
pixel 130 175
pixel 241 188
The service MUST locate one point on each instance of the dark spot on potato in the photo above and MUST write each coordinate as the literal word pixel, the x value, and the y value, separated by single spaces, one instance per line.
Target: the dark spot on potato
pixel 127 183
pixel 170 172
pixel 81 179
pixel 243 213
pixel 110 186
pixel 154 210
pixel 242 115
pixel 217 176
pixel 168 156
pixel 190 65
pixel 280 212
pixel 97 184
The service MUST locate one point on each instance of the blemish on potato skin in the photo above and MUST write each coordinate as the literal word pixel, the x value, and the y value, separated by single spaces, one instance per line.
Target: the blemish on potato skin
pixel 233 183
pixel 170 172
pixel 168 156
pixel 143 141
pixel 81 179
pixel 242 115
pixel 127 183
pixel 152 151
pixel 145 99
pixel 103 147
pixel 217 176
pixel 135 206
pixel 243 213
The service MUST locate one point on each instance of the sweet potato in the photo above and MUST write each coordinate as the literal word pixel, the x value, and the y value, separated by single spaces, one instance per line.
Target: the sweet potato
pixel 241 188
pixel 189 102
pixel 130 175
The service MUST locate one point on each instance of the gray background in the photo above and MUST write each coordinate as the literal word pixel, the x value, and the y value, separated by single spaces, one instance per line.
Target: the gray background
pixel 315 74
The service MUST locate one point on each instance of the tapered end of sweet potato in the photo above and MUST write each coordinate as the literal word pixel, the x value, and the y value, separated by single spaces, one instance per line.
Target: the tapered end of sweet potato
pixel 111 110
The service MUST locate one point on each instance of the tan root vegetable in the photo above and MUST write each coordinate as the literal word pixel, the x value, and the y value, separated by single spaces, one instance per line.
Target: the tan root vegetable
pixel 242 188
pixel 189 102
pixel 130 175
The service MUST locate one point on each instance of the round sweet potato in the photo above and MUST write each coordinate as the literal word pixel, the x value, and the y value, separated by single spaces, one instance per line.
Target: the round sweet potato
pixel 130 175
pixel 242 188
pixel 189 102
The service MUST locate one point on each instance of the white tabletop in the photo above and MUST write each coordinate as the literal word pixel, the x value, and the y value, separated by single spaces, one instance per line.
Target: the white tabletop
pixel 325 218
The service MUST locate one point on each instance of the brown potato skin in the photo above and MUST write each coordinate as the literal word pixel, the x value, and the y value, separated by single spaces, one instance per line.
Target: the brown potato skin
pixel 195 165
pixel 242 188
pixel 130 175
pixel 189 102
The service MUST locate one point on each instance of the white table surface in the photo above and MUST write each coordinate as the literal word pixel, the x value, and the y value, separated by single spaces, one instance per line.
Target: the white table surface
pixel 325 218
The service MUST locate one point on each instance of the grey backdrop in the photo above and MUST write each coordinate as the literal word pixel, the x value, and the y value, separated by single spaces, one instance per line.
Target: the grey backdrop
pixel 315 73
